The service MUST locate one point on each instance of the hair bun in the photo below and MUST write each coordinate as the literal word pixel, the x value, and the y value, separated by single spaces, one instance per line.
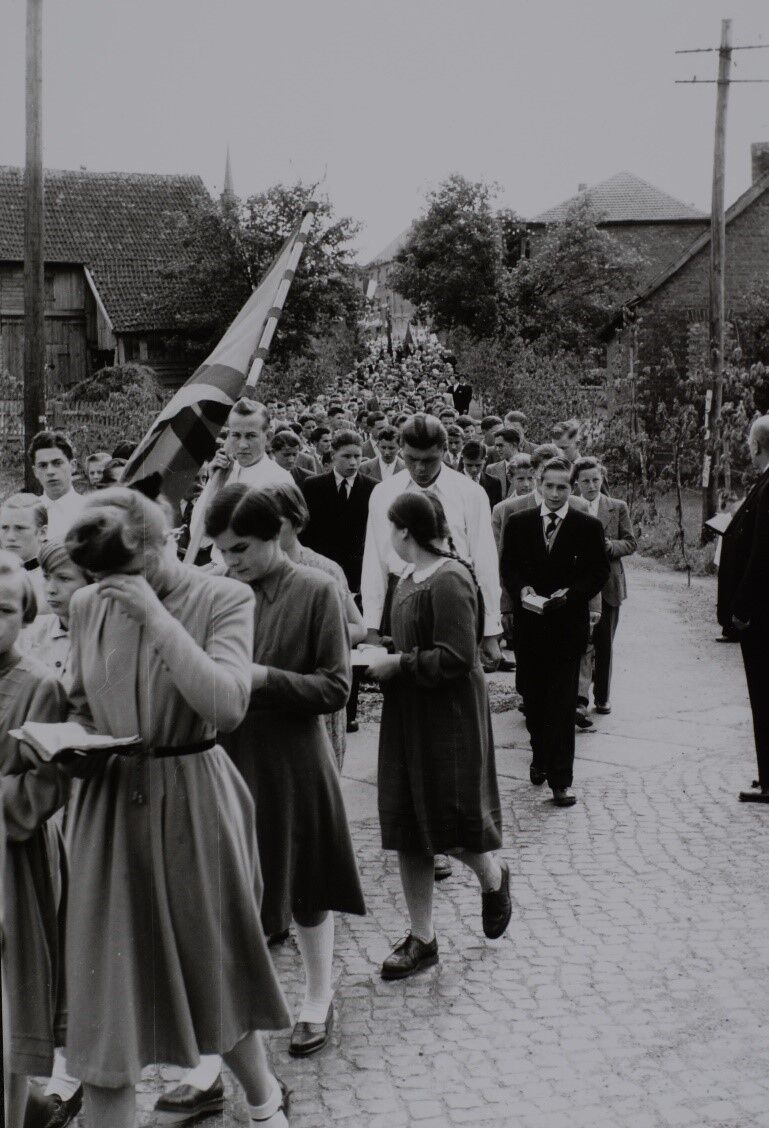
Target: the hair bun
pixel 100 542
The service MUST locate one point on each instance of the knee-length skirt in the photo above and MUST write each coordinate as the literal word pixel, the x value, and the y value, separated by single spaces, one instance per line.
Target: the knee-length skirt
pixel 166 958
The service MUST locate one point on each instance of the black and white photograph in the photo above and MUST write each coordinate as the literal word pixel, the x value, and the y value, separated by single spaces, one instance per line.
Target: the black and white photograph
pixel 384 564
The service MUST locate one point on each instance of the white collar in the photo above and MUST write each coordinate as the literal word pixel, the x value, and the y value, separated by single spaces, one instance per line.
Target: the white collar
pixel 559 513
pixel 339 479
pixel 434 485
pixel 71 492
pixel 423 573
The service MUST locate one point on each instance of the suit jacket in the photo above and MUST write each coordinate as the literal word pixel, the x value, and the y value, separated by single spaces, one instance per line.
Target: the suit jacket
pixel 618 531
pixel 311 463
pixel 462 395
pixel 493 488
pixel 369 450
pixel 454 463
pixel 371 468
pixel 577 561
pixel 337 528
pixel 743 572
pixel 501 512
pixel 498 470
pixel 300 474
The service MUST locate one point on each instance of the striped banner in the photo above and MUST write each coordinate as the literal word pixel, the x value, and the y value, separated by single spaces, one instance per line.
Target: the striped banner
pixel 184 434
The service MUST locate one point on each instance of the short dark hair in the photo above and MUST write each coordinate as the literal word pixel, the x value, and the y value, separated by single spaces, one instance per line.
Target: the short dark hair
pixel 423 431
pixel 587 462
pixel 336 409
pixel 124 450
pixel 520 462
pixel 50 440
pixel 374 417
pixel 473 449
pixel 389 434
pixel 318 433
pixel 249 513
pixel 541 454
pixel 346 437
pixel 490 421
pixel 511 435
pixel 562 465
pixel 285 438
pixel 454 430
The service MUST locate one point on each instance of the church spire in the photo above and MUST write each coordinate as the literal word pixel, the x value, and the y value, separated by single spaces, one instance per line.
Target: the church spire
pixel 228 192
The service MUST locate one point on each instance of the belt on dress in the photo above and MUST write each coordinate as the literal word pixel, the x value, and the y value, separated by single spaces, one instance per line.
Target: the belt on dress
pixel 162 752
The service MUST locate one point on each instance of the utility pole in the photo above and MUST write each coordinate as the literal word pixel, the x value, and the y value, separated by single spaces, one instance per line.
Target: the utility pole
pixel 717 301
pixel 34 290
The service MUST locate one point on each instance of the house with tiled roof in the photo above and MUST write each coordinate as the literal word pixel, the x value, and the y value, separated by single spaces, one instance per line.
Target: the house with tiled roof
pixel 108 238
pixel 386 302
pixel 640 216
pixel 676 297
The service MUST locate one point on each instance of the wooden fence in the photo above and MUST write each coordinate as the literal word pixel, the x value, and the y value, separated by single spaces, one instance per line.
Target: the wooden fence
pixel 71 421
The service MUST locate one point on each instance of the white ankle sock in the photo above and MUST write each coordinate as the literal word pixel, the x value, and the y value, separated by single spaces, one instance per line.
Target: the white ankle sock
pixel 205 1072
pixel 270 1112
pixel 61 1083
pixel 317 948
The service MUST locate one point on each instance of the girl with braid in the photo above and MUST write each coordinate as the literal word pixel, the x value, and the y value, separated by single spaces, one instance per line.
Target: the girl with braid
pixel 437 777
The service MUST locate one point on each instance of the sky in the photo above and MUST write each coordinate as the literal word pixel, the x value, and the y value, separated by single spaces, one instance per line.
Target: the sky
pixel 382 99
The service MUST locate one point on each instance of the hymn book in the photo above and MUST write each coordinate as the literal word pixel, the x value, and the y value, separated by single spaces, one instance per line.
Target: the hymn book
pixel 55 739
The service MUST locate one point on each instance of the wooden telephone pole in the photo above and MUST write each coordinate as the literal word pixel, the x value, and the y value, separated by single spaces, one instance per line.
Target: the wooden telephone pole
pixel 717 302
pixel 34 291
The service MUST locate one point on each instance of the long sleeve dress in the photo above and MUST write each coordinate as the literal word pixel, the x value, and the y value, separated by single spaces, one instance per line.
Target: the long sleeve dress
pixel 437 776
pixel 33 877
pixel 283 751
pixel 166 958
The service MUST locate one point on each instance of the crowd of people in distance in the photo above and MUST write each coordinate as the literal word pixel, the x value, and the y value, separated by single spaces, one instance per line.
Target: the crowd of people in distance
pixel 380 530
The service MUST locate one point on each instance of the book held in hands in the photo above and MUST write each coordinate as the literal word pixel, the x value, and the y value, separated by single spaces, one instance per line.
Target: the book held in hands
pixel 50 740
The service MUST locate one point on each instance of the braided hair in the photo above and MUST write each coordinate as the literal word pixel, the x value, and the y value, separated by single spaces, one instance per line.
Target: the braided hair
pixel 423 516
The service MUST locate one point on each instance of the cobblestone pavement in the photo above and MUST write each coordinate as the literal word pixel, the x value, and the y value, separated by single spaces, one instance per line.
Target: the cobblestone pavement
pixel 630 989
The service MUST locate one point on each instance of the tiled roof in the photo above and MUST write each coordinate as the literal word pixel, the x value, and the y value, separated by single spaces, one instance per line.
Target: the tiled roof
pixel 625 198
pixel 392 249
pixel 122 225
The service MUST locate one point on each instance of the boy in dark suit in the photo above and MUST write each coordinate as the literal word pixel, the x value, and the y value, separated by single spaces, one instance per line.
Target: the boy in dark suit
pixel 338 506
pixel 559 553
pixel 743 598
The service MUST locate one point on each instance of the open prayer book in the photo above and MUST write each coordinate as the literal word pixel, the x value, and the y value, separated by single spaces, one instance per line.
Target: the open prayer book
pixel 538 603
pixel 52 740
pixel 365 654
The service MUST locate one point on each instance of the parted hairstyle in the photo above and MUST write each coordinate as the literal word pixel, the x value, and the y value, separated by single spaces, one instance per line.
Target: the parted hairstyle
pixel 389 434
pixel 290 502
pixel 114 527
pixel 246 406
pixel 249 513
pixel 562 465
pixel 543 452
pixel 28 501
pixel 585 463
pixel 423 432
pixel 50 440
pixel 520 462
pixel 423 516
pixel 12 568
pixel 285 438
pixel 474 449
pixel 346 437
pixel 318 433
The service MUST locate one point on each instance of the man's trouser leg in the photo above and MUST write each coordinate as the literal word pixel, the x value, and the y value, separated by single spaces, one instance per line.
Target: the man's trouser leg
pixel 755 655
pixel 603 641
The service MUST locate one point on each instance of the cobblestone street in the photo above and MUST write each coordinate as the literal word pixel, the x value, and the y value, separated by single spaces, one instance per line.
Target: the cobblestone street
pixel 630 987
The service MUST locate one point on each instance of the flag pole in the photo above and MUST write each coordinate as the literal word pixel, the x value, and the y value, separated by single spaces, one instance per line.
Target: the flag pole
pixel 217 479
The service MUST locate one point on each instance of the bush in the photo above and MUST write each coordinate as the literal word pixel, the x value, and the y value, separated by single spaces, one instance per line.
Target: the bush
pixel 114 405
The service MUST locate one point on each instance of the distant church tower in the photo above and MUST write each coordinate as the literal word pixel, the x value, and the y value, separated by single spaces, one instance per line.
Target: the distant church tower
pixel 228 192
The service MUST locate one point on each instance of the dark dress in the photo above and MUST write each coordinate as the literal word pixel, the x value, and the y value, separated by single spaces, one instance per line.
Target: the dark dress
pixel 34 908
pixel 437 776
pixel 283 751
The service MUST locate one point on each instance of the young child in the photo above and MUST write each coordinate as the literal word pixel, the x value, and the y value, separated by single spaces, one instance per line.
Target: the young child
pixel 31 792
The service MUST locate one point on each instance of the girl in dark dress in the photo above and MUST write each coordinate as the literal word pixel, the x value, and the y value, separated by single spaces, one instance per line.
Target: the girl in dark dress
pixel 301 671
pixel 437 778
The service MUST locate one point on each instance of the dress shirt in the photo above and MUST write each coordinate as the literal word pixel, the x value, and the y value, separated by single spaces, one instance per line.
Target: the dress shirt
pixel 466 505
pixel 338 479
pixel 546 514
pixel 592 506
pixel 63 512
pixel 387 469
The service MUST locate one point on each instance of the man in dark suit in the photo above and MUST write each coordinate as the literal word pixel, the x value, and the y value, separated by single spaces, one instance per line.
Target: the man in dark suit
pixel 462 395
pixel 338 507
pixel 471 464
pixel 743 598
pixel 556 552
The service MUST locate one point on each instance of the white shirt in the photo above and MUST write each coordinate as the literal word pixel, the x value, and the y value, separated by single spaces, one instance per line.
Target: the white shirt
pixel 63 512
pixel 468 514
pixel 592 506
pixel 386 469
pixel 546 514
pixel 339 479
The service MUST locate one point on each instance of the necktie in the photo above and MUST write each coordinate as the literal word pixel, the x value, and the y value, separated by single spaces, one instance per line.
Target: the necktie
pixel 550 530
pixel 343 495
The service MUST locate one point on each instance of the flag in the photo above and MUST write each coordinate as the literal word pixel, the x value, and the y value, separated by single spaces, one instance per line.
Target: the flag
pixel 183 436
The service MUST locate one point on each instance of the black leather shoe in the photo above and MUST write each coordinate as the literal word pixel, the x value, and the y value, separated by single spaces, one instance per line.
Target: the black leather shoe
pixel 537 776
pixel 60 1112
pixel 352 726
pixel 756 794
pixel 564 797
pixel 309 1037
pixel 582 721
pixel 442 867
pixel 506 666
pixel 186 1103
pixel 603 710
pixel 410 956
pixel 497 907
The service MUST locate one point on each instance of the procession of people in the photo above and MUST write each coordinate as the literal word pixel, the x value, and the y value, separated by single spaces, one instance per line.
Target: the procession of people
pixel 349 539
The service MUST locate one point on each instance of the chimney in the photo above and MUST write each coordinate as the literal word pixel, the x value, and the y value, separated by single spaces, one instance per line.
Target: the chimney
pixel 759 159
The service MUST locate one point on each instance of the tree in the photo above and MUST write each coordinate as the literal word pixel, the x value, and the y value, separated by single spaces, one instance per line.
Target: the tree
pixel 572 283
pixel 226 248
pixel 452 266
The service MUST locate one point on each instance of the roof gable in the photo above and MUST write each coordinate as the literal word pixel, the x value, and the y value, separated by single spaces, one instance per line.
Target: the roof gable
pixel 625 198
pixel 123 226
pixel 393 248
